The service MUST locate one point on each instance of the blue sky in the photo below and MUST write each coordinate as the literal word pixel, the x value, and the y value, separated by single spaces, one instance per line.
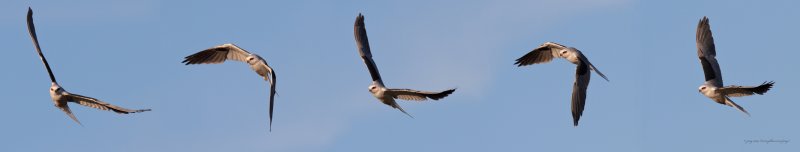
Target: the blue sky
pixel 128 53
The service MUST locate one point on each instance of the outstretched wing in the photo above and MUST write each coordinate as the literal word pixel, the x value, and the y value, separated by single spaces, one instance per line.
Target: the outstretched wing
pixel 360 32
pixel 543 54
pixel 265 71
pixel 582 76
pixel 217 54
pixel 94 103
pixel 408 94
pixel 32 32
pixel 271 96
pixel 707 53
pixel 740 91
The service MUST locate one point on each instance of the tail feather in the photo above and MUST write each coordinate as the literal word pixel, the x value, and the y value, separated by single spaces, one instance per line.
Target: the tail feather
pixel 66 110
pixel 730 102
pixel 401 110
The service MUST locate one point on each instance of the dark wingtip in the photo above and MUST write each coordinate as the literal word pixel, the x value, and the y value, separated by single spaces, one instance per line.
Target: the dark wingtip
pixel 604 77
pixel 518 63
pixel 270 116
pixel 521 61
pixel 188 60
pixel 448 92
pixel 142 110
pixel 30 14
pixel 703 22
pixel 360 18
pixel 442 94
pixel 575 121
pixel 764 87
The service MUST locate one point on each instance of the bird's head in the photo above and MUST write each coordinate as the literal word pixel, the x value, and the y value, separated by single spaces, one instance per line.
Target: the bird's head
pixel 567 52
pixel 704 88
pixel 55 88
pixel 252 58
pixel 373 88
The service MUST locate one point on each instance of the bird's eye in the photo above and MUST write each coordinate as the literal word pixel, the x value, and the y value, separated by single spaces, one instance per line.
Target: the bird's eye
pixel 702 88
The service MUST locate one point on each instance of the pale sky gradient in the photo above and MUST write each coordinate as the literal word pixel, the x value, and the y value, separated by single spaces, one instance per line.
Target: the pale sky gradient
pixel 128 53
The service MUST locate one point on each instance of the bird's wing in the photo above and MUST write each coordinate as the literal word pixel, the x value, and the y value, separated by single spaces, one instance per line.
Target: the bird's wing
pixel 586 60
pixel 707 53
pixel 271 96
pixel 94 103
pixel 362 43
pixel 217 54
pixel 408 94
pixel 740 91
pixel 542 54
pixel 64 107
pixel 582 75
pixel 32 31
pixel 264 70
pixel 730 102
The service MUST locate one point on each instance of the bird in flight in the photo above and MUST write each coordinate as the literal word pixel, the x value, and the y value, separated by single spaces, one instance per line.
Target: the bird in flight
pixel 377 88
pixel 60 96
pixel 713 87
pixel 221 53
pixel 547 52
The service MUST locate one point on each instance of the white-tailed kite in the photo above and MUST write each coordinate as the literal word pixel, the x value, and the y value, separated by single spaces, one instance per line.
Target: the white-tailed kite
pixel 713 87
pixel 377 88
pixel 60 96
pixel 221 53
pixel 549 50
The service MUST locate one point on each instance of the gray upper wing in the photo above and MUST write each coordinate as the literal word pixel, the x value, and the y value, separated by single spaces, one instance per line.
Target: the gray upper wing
pixel 542 54
pixel 582 76
pixel 265 71
pixel 707 53
pixel 272 92
pixel 360 32
pixel 32 32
